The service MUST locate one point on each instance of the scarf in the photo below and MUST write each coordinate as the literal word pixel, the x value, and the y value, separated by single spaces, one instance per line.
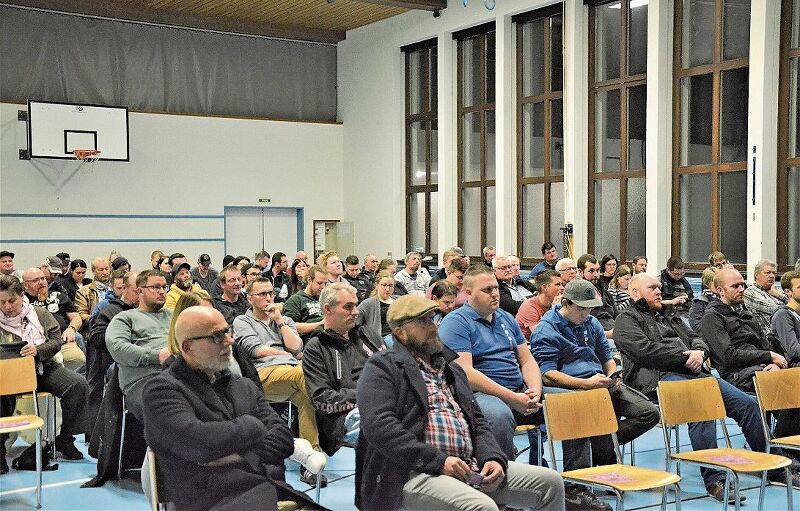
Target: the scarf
pixel 101 289
pixel 25 325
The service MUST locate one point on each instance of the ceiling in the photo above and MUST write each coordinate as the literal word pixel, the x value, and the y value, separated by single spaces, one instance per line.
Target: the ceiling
pixel 309 20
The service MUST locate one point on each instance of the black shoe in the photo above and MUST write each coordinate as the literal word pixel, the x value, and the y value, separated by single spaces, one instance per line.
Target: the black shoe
pixel 780 480
pixel 65 448
pixel 577 499
pixel 310 478
pixel 3 465
pixel 717 491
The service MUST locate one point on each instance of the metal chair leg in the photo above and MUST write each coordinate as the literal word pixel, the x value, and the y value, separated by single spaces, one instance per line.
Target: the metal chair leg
pixel 727 489
pixel 761 491
pixel 121 442
pixel 789 503
pixel 318 486
pixel 39 468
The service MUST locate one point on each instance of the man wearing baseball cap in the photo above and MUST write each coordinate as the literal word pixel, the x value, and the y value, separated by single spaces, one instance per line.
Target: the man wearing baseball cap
pixel 573 353
pixel 203 274
pixel 424 442
pixel 7 264
pixel 181 284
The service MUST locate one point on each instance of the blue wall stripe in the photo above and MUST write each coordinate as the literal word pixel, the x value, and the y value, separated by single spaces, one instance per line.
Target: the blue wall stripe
pixel 78 215
pixel 118 240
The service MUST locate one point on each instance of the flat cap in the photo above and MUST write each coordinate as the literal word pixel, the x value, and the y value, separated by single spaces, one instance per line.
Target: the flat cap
pixel 409 307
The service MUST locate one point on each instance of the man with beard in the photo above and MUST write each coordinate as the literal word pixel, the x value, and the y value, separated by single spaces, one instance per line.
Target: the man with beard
pixel 204 274
pixel 278 276
pixel 88 296
pixel 589 269
pixel 439 452
pixel 181 284
pixel 137 339
pixel 303 307
pixel 231 302
pixel 550 254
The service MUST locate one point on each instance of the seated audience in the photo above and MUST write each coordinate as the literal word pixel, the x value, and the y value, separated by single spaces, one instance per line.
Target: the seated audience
pixel 273 344
pixel 455 276
pixel 277 274
pixel 786 320
pixel 617 289
pixel 589 269
pixel 414 277
pixel 639 264
pixel 332 362
pixel 120 263
pixel 231 302
pixel 172 262
pixel 297 278
pixel 203 274
pixel 573 353
pixel 372 311
pixel 333 265
pixel 489 253
pixel 7 264
pixel 442 428
pixel 568 270
pixel 88 296
pixel 549 286
pixel 444 294
pixel 513 291
pixel 137 339
pixel 212 430
pixel 675 287
pixel 115 288
pixel 441 273
pixel 550 254
pixel 353 276
pixel 700 302
pixel 38 329
pixel 303 307
pixel 155 259
pixel 250 272
pixel 656 345
pixel 608 268
pixel 370 267
pixel 391 266
pixel 181 284
pixel 718 260
pixel 761 298
pixel 260 261
pixel 76 278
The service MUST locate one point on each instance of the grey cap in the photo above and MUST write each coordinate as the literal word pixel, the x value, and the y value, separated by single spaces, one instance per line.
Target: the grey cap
pixel 53 263
pixel 583 293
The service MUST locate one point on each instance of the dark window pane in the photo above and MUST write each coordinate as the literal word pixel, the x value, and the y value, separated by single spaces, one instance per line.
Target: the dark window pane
pixel 471 221
pixel 491 216
pixel 637 44
pixel 557 137
pixel 696 110
pixel 418 142
pixel 533 58
pixel 607 41
pixel 637 120
pixel 793 198
pixel 735 29
pixel 733 215
pixel 490 148
pixel 606 216
pixel 637 212
pixel 490 67
pixel 556 214
pixel 532 219
pixel 434 100
pixel 556 54
pixel 533 140
pixel 733 124
pixel 794 108
pixel 471 70
pixel 471 133
pixel 698 32
pixel 434 213
pixel 416 80
pixel 607 131
pixel 416 227
pixel 434 152
pixel 695 194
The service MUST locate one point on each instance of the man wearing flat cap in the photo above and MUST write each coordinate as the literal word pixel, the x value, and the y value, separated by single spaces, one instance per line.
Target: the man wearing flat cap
pixel 424 442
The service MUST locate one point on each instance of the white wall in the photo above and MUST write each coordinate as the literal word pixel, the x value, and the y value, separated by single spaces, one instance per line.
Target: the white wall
pixel 179 165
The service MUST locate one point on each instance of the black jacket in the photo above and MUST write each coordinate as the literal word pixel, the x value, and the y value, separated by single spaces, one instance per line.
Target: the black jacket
pixel 332 365
pixel 507 302
pixel 362 284
pixel 99 323
pixel 278 282
pixel 668 289
pixel 698 309
pixel 393 402
pixel 735 340
pixel 652 343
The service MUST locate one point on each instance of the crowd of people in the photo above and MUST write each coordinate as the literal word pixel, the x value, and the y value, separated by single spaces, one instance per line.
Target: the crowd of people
pixel 427 374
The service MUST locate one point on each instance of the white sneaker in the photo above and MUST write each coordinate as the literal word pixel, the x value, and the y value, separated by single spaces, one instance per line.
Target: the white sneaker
pixel 314 461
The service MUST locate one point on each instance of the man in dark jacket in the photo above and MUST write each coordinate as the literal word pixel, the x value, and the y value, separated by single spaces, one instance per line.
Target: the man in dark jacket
pixel 213 433
pixel 739 347
pixel 421 424
pixel 589 269
pixel 675 287
pixel 332 362
pixel 656 345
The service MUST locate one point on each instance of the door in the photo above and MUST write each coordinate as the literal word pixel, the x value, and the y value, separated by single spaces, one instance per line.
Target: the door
pixel 249 230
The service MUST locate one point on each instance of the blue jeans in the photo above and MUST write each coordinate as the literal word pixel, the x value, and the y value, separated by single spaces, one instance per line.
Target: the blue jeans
pixel 740 407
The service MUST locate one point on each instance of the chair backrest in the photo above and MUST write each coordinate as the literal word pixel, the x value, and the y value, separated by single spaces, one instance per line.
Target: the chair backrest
pixel 579 414
pixel 17 375
pixel 778 390
pixel 693 400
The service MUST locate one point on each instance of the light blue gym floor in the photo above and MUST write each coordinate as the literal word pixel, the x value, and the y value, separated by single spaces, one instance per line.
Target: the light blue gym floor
pixel 62 487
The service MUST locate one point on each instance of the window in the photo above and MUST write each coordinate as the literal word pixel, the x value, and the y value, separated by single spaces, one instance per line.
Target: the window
pixel 709 181
pixel 789 137
pixel 540 131
pixel 421 146
pixel 476 138
pixel 617 120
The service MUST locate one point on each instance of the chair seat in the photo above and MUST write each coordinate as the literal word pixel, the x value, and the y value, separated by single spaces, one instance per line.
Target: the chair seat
pixel 738 460
pixel 29 395
pixel 623 477
pixel 787 440
pixel 524 428
pixel 20 423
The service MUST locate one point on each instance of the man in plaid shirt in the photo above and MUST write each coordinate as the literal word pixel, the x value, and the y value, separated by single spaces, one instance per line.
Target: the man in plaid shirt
pixel 761 298
pixel 424 442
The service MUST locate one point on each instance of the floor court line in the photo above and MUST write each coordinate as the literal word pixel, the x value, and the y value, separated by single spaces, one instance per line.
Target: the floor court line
pixel 50 485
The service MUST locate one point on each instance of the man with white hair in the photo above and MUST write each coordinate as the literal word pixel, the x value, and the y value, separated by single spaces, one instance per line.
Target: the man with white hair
pixel 568 270
pixel 414 277
pixel 513 291
pixel 762 298
pixel 88 296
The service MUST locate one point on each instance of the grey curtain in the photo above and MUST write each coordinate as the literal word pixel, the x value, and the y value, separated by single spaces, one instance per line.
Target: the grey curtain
pixel 54 57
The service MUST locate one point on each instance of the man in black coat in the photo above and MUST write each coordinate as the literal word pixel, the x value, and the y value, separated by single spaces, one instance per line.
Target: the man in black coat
pixel 420 424
pixel 213 433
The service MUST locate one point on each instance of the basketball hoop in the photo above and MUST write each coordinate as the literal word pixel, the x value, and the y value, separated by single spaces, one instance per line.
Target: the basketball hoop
pixel 86 155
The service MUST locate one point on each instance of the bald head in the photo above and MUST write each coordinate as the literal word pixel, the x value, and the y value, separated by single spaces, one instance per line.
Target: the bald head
pixel 196 321
pixel 730 286
pixel 643 285
pixel 34 282
pixel 639 281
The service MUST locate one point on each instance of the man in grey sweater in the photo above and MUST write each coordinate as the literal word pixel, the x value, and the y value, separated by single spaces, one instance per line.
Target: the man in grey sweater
pixel 137 339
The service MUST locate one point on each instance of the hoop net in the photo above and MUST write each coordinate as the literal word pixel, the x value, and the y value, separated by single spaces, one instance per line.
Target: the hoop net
pixel 86 155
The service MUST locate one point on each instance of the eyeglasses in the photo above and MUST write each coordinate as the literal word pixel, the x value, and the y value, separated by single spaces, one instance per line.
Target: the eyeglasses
pixel 253 274
pixel 263 293
pixel 157 289
pixel 37 279
pixel 216 337
pixel 571 268
pixel 422 320
pixel 504 268
pixel 386 285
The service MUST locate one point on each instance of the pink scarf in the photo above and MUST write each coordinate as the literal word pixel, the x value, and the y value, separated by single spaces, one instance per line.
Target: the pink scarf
pixel 25 325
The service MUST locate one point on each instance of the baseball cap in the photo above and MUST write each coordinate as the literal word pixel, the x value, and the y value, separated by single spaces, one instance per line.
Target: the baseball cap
pixel 4 253
pixel 583 293
pixel 179 267
pixel 204 259
pixel 53 264
pixel 408 307
pixel 65 259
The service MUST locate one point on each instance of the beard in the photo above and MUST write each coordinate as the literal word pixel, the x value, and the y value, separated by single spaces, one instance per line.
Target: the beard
pixel 430 346
pixel 220 363
pixel 42 294
pixel 185 285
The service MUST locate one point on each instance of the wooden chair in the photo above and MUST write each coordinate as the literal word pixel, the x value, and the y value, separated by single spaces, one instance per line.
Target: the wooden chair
pixel 523 429
pixel 699 400
pixel 589 413
pixel 778 390
pixel 18 376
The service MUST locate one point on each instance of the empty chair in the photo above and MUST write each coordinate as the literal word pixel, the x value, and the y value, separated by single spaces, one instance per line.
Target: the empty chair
pixel 778 390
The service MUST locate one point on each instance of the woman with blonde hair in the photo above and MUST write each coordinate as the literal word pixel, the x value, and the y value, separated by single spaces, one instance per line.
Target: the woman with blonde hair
pixel 698 308
pixel 618 288
pixel 372 311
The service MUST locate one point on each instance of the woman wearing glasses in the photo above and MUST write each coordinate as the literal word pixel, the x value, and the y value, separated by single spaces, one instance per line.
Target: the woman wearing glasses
pixel 372 311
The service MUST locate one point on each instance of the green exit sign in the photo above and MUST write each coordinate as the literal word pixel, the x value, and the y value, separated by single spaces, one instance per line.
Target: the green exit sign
pixel 264 200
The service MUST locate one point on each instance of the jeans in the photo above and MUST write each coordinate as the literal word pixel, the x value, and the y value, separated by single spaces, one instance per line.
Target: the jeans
pixel 503 420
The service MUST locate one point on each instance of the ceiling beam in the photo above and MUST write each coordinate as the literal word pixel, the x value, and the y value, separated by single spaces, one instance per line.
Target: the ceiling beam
pixel 421 5
pixel 107 9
